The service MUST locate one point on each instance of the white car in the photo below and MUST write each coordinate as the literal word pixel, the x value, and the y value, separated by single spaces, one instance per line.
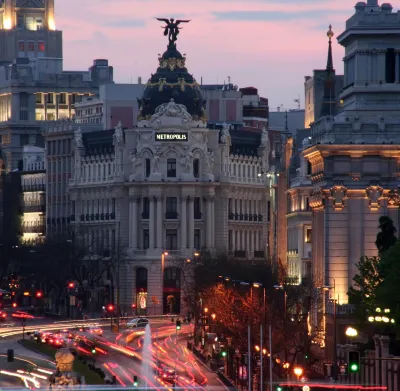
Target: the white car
pixel 138 322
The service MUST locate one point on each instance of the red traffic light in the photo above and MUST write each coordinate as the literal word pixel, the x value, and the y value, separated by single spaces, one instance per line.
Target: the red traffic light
pixel 14 305
pixel 39 294
pixel 71 285
pixel 110 307
pixel 133 305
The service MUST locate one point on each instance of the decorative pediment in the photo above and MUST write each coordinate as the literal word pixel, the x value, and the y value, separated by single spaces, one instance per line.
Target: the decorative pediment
pixel 171 109
pixel 393 199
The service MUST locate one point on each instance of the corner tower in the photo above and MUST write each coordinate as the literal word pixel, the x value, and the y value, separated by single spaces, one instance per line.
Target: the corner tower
pixel 28 29
pixel 355 154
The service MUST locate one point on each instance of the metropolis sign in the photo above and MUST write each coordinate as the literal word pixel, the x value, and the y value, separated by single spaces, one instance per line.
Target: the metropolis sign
pixel 175 136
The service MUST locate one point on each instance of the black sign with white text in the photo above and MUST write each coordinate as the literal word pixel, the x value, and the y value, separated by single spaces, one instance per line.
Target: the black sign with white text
pixel 180 136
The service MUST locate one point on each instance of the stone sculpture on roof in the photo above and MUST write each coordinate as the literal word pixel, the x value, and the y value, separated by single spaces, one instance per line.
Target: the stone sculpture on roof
pixel 78 138
pixel 171 109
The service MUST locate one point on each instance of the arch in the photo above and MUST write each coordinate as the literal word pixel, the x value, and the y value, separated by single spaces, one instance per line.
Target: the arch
pixel 146 153
pixel 141 290
pixel 171 152
pixel 172 290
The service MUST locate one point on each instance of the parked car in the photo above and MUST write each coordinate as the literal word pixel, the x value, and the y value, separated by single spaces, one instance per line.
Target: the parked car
pixel 138 322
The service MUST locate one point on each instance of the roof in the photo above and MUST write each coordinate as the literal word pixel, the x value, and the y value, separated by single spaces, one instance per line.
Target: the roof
pixel 98 142
pixel 245 142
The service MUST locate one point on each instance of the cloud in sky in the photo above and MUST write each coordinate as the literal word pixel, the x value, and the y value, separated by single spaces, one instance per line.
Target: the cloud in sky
pixel 268 44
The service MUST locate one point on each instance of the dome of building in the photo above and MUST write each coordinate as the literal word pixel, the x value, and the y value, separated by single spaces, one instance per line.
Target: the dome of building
pixel 172 81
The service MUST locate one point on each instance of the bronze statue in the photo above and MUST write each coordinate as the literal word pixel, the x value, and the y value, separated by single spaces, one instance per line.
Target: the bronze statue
pixel 172 29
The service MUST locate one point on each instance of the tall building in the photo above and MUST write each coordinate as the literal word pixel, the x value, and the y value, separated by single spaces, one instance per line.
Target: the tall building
pixel 354 154
pixel 113 103
pixel 28 30
pixel 33 184
pixel 255 108
pixel 170 185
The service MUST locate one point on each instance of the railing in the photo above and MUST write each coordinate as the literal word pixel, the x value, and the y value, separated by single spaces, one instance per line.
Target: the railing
pixel 95 217
pixel 245 217
pixel 39 229
pixel 171 215
pixel 259 254
pixel 26 188
pixel 31 208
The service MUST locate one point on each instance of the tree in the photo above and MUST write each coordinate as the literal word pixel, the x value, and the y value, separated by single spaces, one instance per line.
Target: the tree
pixel 363 294
pixel 386 238
pixel 388 293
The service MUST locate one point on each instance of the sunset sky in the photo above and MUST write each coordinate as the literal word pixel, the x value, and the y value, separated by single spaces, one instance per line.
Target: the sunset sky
pixel 268 44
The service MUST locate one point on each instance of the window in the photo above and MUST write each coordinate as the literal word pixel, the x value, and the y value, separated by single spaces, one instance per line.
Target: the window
pixel 23 100
pixel 197 241
pixel 171 208
pixel 40 47
pixel 38 98
pixel 23 115
pixel 171 239
pixel 62 99
pixel 23 139
pixel 50 98
pixel 146 208
pixel 171 168
pixel 197 208
pixel 390 66
pixel 113 243
pixel 196 168
pixel 146 239
pixel 113 205
pixel 147 168
pixel 21 46
pixel 20 21
pixel 269 210
pixel 309 168
pixel 51 117
pixel 31 46
pixel 308 235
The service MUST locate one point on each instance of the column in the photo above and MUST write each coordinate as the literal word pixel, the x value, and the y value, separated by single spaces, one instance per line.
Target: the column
pixel 191 223
pixel 183 223
pixel 160 243
pixel 133 222
pixel 213 223
pixel 208 223
pixel 152 218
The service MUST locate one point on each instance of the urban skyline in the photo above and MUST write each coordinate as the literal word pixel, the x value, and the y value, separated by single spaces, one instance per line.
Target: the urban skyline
pixel 106 32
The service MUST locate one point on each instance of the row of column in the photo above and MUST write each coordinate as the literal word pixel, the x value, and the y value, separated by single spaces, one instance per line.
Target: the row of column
pixel 247 207
pixel 156 222
pixel 247 240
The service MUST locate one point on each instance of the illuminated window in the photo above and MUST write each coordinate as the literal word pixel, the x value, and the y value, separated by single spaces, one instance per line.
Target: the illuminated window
pixel 21 46
pixel 341 101
pixel 31 46
pixel 38 98
pixel 40 46
pixel 308 235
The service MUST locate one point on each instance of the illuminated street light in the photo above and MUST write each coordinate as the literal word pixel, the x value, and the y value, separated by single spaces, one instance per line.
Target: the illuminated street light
pixel 298 371
pixel 257 285
pixel 257 348
pixel 351 332
pixel 205 309
pixel 213 316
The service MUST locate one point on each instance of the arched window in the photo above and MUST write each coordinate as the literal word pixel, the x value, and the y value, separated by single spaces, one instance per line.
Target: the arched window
pixel 141 278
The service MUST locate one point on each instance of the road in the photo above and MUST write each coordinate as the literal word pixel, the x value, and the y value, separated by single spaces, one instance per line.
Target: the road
pixel 124 355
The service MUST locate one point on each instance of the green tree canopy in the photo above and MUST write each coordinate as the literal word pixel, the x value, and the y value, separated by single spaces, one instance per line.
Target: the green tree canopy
pixel 388 292
pixel 366 281
pixel 386 238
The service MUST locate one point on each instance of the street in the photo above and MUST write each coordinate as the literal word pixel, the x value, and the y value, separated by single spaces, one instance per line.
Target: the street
pixel 122 356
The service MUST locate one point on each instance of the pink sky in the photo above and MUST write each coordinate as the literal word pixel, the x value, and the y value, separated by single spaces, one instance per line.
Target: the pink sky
pixel 268 44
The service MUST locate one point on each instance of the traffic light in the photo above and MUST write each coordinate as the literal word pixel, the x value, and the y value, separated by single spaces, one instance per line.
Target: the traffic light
pixel 94 351
pixel 135 381
pixel 71 285
pixel 223 353
pixel 354 362
pixel 110 307
pixel 39 295
pixel 178 324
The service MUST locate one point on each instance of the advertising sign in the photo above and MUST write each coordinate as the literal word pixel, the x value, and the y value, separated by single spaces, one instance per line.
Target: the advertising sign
pixel 171 136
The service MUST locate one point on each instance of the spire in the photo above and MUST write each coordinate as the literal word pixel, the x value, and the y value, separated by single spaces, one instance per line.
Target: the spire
pixel 329 62
pixel 328 106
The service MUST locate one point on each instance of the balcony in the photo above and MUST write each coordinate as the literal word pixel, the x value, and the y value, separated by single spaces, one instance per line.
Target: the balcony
pixel 34 208
pixel 171 215
pixel 26 188
pixel 35 229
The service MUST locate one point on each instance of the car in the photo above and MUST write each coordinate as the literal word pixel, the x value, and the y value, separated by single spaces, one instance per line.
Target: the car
pixel 138 322
pixel 167 374
pixel 95 330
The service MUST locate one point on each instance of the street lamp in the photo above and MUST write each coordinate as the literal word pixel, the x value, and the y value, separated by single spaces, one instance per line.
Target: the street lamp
pixel 328 288
pixel 351 332
pixel 283 288
pixel 298 372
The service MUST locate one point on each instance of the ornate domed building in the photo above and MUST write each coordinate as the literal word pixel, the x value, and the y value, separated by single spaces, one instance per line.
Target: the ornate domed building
pixel 170 189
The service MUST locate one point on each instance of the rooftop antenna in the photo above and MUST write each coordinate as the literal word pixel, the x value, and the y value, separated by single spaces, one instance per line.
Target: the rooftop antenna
pixel 201 80
pixel 229 80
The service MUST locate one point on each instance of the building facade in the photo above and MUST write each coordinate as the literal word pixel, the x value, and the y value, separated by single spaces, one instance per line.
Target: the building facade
pixel 113 103
pixel 170 185
pixel 33 184
pixel 354 155
pixel 28 30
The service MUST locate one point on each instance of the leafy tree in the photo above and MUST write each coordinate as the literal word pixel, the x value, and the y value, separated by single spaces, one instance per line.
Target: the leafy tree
pixel 363 294
pixel 388 293
pixel 386 238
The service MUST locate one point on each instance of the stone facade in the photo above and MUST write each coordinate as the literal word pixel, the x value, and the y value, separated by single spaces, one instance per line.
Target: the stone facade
pixel 170 185
pixel 354 155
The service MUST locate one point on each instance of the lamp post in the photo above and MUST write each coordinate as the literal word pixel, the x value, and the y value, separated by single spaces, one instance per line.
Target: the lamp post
pixel 328 288
pixel 283 289
pixel 163 255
